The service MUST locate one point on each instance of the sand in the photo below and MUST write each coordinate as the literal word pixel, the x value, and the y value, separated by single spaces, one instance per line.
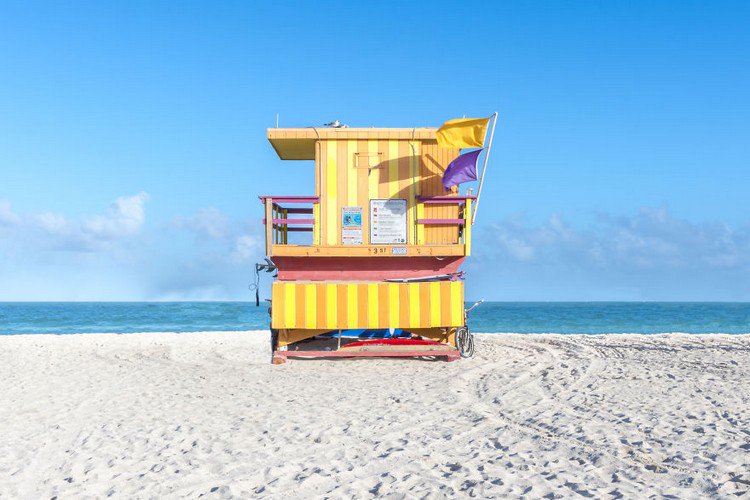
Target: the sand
pixel 163 414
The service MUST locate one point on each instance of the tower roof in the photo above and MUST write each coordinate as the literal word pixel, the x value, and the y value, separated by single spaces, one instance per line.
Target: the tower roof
pixel 299 143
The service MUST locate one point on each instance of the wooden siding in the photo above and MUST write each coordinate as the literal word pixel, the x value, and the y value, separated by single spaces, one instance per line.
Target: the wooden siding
pixel 333 306
pixel 433 162
pixel 341 184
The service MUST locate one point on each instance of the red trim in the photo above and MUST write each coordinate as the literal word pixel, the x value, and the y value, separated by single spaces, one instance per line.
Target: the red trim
pixel 394 341
pixel 363 268
pixel 291 199
pixel 444 199
pixel 451 354
pixel 285 222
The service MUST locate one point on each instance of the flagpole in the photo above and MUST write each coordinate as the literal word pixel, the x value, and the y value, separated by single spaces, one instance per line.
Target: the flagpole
pixel 484 168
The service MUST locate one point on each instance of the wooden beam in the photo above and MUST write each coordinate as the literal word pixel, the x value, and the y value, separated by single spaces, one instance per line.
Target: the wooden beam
pixel 290 199
pixel 286 222
pixel 450 222
pixel 435 200
pixel 366 250
pixel 269 227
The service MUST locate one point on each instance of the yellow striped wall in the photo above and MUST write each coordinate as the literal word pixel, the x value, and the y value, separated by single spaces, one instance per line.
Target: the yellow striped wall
pixel 407 169
pixel 434 161
pixel 367 305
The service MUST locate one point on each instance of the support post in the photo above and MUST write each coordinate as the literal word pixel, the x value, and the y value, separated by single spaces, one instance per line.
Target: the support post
pixel 269 226
pixel 316 224
pixel 467 227
pixel 484 167
pixel 420 227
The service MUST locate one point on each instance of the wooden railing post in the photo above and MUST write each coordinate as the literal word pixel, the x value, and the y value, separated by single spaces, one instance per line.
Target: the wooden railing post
pixel 269 225
pixel 467 227
pixel 316 223
pixel 420 227
pixel 285 227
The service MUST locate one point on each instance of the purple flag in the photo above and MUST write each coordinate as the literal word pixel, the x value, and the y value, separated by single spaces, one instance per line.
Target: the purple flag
pixel 462 169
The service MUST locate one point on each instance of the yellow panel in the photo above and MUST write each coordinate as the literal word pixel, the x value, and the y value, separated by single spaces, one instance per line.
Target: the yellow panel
pixel 393 314
pixel 428 305
pixel 331 205
pixel 434 302
pixel 290 303
pixel 277 305
pixel 331 306
pixel 351 174
pixel 392 169
pixel 373 174
pixel 413 304
pixel 351 311
pixel 310 306
pixel 457 303
pixel 372 305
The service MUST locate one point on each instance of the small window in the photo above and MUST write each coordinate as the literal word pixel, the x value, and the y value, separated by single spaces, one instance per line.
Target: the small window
pixel 367 160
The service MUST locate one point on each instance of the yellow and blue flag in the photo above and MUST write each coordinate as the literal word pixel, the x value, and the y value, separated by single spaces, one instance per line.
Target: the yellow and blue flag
pixel 463 133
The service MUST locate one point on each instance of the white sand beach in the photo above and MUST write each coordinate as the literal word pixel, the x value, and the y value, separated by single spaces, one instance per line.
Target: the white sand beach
pixel 163 414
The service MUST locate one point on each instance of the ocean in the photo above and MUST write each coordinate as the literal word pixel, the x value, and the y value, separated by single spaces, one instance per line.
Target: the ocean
pixel 490 317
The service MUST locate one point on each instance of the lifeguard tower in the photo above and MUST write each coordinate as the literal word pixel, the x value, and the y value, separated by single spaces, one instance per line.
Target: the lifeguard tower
pixel 369 264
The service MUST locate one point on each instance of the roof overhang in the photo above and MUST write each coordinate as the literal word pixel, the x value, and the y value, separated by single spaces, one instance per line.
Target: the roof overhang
pixel 299 143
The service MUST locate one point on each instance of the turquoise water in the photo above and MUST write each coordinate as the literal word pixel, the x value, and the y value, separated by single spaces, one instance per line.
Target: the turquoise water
pixel 521 317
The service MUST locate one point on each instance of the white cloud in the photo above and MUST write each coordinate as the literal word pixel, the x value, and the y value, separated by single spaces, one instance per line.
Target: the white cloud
pixel 51 222
pixel 49 231
pixel 206 223
pixel 7 216
pixel 651 239
pixel 124 217
pixel 246 249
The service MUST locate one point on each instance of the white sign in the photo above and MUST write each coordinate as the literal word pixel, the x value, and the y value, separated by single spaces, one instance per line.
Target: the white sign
pixel 388 222
pixel 351 225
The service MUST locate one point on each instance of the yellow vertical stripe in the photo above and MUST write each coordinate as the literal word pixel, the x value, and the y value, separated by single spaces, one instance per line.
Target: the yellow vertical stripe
pixel 310 306
pixel 331 306
pixel 392 169
pixel 372 305
pixel 457 304
pixel 393 313
pixel 413 164
pixel 351 174
pixel 351 306
pixel 290 303
pixel 373 174
pixel 332 230
pixel 434 303
pixel 413 304
pixel 316 224
pixel 467 228
pixel 277 306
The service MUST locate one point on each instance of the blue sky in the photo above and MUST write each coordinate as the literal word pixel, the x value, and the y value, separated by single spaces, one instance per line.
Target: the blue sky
pixel 132 138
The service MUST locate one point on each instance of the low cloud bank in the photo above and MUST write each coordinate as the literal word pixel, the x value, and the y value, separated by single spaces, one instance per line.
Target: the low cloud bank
pixel 208 255
pixel 649 255
pixel 651 239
